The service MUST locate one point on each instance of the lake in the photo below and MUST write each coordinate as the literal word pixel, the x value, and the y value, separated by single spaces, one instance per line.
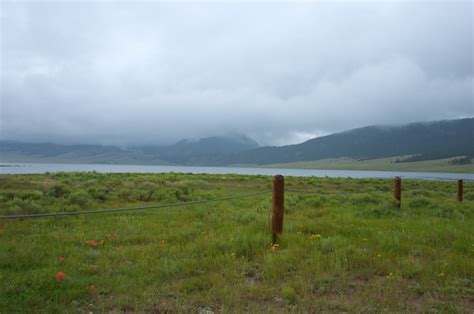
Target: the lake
pixel 36 168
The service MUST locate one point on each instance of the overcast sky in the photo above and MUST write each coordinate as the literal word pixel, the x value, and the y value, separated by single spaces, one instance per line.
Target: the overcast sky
pixel 153 73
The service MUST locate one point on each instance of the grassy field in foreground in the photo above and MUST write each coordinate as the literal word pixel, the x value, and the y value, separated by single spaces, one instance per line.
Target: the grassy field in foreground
pixel 383 164
pixel 340 250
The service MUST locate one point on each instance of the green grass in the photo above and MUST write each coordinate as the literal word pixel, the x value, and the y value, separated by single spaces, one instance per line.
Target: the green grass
pixel 338 252
pixel 382 164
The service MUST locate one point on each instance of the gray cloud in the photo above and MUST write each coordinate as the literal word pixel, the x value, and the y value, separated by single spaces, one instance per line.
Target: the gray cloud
pixel 124 73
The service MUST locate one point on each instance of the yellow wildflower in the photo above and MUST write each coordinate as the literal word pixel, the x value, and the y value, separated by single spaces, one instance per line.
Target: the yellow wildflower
pixel 275 247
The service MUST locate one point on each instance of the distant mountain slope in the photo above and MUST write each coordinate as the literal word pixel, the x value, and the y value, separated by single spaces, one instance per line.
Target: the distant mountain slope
pixel 11 151
pixel 195 152
pixel 203 151
pixel 431 140
pixel 423 141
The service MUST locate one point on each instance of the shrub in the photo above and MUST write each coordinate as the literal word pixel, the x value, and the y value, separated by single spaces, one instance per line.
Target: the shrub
pixel 20 206
pixel 58 191
pixel 80 199
pixel 33 195
pixel 146 195
pixel 99 194
pixel 7 196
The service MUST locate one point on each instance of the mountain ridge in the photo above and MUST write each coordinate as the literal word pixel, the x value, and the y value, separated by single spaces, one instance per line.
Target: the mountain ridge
pixel 195 151
pixel 425 140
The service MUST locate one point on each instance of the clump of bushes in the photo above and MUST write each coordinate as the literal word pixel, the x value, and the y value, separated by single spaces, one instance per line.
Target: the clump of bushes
pixel 80 198
pixel 21 206
pixel 99 194
pixel 58 191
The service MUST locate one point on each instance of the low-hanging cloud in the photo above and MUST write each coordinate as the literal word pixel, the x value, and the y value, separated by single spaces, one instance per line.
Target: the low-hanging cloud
pixel 153 73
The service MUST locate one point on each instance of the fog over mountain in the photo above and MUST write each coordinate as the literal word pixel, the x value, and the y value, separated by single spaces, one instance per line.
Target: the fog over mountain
pixel 411 142
pixel 153 73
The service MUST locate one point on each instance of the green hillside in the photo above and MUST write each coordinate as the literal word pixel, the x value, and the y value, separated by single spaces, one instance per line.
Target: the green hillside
pixel 382 164
pixel 433 140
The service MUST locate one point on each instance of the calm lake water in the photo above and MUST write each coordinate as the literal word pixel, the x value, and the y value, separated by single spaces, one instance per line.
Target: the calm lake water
pixel 32 168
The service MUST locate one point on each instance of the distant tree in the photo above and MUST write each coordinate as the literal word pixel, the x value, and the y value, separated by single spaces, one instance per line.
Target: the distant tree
pixel 466 160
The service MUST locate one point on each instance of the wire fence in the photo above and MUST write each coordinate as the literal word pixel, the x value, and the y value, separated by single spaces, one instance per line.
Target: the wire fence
pixel 129 209
pixel 198 202
pixel 335 192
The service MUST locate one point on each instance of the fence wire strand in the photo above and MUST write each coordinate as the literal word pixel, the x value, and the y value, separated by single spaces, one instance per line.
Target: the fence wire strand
pixel 157 206
pixel 114 210
pixel 335 193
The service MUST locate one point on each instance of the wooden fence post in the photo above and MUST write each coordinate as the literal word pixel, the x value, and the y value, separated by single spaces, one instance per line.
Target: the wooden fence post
pixel 398 191
pixel 460 187
pixel 278 200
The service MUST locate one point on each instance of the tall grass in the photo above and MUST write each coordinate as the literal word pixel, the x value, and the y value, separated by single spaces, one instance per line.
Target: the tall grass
pixel 338 252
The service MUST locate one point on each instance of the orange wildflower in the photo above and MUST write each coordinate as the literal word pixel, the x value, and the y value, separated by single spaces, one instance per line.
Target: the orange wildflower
pixel 92 288
pixel 59 276
pixel 92 242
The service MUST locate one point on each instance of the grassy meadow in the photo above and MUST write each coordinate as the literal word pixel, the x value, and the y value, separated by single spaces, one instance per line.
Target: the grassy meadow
pixel 382 164
pixel 346 247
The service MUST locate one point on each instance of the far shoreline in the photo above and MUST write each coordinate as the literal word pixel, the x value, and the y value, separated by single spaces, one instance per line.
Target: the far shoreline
pixel 342 164
pixel 43 168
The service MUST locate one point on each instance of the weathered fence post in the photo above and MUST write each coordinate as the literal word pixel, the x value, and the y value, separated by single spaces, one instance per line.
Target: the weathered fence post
pixel 278 200
pixel 460 186
pixel 398 191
